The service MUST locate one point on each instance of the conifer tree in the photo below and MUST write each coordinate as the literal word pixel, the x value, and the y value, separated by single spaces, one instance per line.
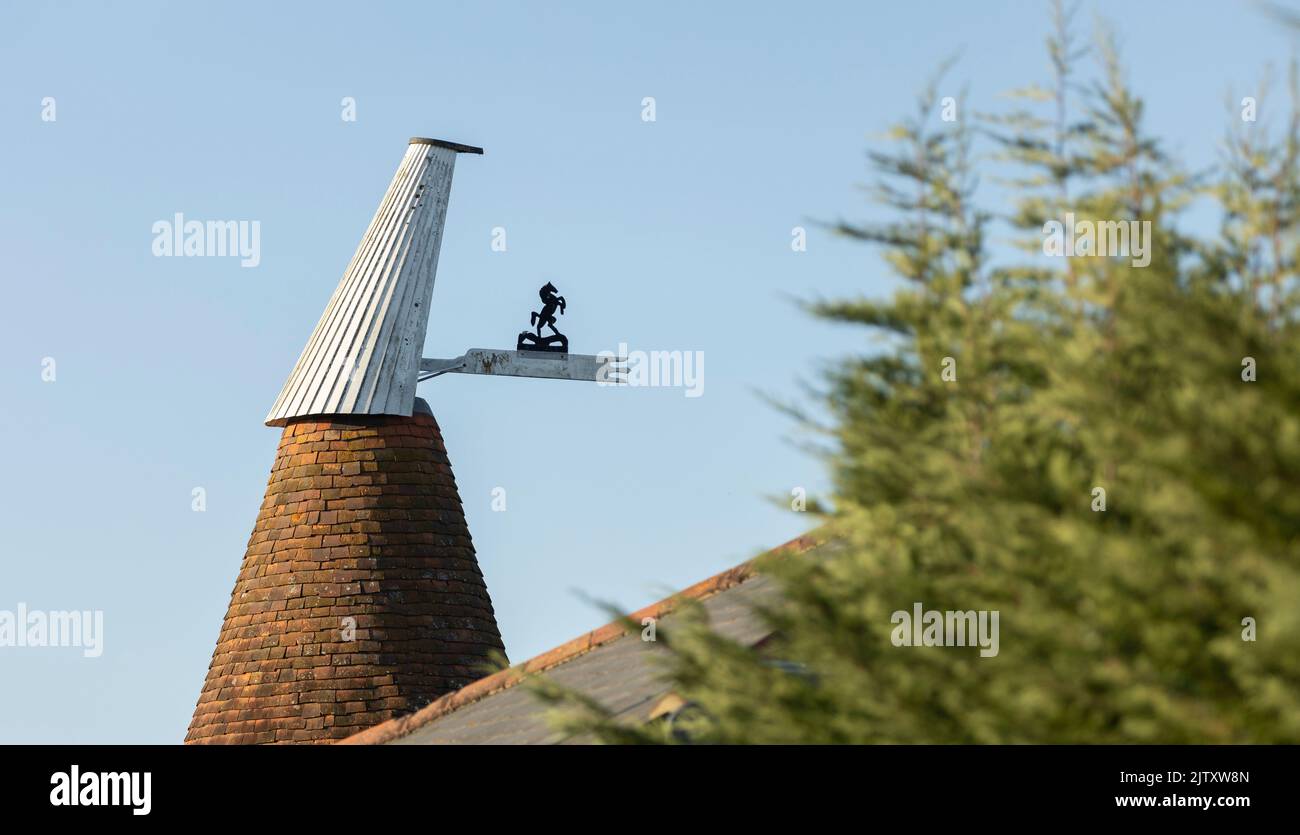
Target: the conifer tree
pixel 1104 451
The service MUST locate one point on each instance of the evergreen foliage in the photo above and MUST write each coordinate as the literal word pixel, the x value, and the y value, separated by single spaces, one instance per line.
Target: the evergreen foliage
pixel 981 493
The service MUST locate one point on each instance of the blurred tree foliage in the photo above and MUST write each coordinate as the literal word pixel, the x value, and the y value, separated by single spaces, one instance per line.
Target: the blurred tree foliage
pixel 1072 374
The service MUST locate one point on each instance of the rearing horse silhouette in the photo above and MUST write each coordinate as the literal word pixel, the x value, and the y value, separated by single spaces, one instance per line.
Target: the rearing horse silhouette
pixel 550 301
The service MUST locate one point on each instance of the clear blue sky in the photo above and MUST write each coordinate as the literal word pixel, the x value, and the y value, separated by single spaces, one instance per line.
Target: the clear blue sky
pixel 672 235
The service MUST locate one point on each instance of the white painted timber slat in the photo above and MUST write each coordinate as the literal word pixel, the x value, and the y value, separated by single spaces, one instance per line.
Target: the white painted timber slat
pixel 364 356
pixel 344 302
pixel 306 383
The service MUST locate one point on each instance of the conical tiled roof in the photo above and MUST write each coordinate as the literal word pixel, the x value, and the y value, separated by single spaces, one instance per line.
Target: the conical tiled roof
pixel 359 598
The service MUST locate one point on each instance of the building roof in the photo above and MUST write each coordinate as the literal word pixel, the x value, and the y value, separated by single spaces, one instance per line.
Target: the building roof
pixel 359 598
pixel 614 668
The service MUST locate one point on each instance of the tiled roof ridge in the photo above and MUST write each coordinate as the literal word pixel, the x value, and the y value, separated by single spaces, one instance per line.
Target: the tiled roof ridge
pixel 505 679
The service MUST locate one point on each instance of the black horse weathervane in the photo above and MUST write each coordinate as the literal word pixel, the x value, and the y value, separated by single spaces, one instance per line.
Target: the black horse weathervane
pixel 551 302
pixel 535 355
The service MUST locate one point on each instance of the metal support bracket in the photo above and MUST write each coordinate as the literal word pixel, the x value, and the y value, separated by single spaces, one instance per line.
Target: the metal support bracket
pixel 607 370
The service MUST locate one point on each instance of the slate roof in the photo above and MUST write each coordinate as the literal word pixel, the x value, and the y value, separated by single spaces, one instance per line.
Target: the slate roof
pixel 607 664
